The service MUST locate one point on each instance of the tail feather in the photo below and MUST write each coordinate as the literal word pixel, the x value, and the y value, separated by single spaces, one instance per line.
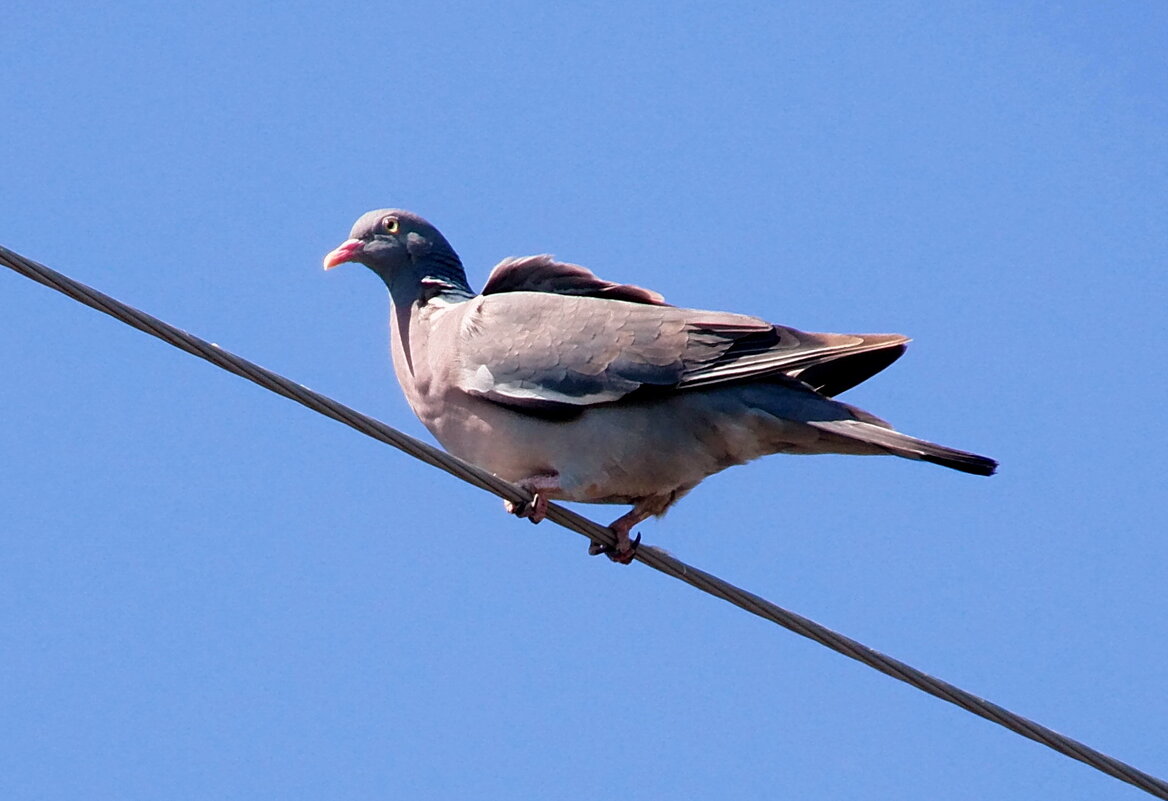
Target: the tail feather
pixel 909 447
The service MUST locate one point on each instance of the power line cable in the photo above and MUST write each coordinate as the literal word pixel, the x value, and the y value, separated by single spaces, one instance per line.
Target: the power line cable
pixel 653 557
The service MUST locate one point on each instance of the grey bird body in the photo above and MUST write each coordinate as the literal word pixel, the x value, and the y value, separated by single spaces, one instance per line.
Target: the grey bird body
pixel 584 390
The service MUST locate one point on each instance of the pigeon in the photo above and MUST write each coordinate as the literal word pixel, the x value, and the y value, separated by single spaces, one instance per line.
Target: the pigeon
pixel 580 389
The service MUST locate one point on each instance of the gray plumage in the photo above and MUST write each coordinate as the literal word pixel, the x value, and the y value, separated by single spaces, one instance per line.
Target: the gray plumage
pixel 582 389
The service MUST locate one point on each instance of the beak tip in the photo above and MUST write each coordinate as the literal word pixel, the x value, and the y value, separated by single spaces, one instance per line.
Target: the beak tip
pixel 348 250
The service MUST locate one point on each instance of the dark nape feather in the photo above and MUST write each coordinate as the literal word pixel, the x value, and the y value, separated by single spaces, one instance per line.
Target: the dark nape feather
pixel 839 375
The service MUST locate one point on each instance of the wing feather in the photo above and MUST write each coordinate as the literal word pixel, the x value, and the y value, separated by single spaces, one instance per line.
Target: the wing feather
pixel 543 273
pixel 542 350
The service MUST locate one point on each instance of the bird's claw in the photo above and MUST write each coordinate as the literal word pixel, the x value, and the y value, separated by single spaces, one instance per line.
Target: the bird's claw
pixel 534 510
pixel 622 553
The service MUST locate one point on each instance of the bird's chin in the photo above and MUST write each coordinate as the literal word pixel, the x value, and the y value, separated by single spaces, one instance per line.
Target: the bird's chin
pixel 349 250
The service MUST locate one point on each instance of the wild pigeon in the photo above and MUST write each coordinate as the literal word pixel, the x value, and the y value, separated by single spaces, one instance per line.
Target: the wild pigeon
pixel 582 389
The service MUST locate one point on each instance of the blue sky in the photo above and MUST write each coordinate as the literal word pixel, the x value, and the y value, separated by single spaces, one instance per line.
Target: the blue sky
pixel 209 592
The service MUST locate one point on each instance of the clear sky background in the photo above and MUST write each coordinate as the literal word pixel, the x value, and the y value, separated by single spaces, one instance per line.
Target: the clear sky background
pixel 209 592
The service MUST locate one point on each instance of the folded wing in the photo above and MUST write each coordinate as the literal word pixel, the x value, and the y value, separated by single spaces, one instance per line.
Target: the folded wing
pixel 549 350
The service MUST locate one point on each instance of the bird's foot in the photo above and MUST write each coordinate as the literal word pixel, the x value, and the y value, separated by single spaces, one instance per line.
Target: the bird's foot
pixel 541 487
pixel 535 510
pixel 623 553
pixel 625 549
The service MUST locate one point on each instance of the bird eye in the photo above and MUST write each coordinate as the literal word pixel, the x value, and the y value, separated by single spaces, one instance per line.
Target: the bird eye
pixel 391 225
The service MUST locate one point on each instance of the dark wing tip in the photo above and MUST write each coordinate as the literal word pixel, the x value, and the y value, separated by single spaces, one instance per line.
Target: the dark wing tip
pixel 840 374
pixel 966 463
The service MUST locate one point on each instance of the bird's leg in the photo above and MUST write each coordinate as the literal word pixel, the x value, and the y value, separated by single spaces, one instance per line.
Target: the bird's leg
pixel 625 548
pixel 540 486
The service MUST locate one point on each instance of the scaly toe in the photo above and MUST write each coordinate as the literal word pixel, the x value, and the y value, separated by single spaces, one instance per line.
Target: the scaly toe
pixel 538 508
pixel 534 510
pixel 517 509
pixel 626 556
pixel 621 556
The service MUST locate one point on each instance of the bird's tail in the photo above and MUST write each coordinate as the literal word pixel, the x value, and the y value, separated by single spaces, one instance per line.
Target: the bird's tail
pixel 908 447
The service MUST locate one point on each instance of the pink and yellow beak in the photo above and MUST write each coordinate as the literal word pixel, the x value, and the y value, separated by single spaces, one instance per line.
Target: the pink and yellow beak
pixel 348 250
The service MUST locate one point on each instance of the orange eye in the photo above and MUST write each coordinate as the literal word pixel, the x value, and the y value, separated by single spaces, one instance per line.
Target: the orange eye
pixel 391 225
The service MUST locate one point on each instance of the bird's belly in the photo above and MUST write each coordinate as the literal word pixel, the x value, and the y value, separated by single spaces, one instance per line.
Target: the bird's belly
pixel 617 453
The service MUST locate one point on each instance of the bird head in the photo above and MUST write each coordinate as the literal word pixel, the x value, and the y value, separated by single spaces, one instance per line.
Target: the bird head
pixel 410 255
pixel 386 241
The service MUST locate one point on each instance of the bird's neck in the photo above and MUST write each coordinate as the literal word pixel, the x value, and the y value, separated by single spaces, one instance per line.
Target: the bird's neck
pixel 438 275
